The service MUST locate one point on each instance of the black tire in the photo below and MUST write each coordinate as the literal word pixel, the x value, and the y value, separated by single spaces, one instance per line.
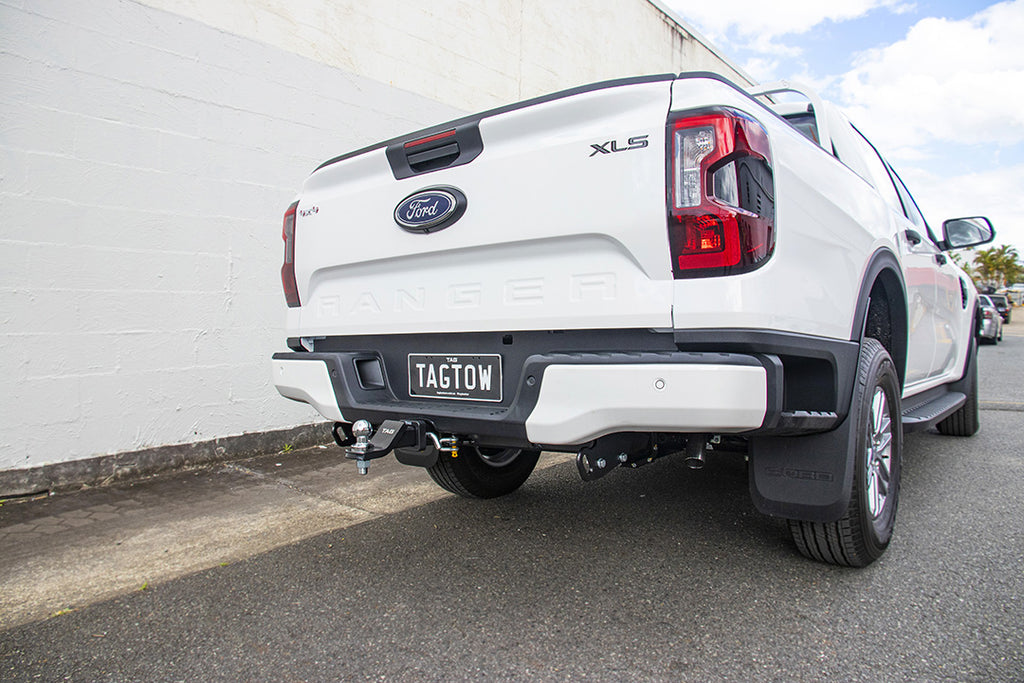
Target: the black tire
pixel 965 422
pixel 483 472
pixel 865 529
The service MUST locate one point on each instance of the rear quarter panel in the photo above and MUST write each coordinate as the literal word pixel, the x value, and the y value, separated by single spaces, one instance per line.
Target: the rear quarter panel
pixel 828 222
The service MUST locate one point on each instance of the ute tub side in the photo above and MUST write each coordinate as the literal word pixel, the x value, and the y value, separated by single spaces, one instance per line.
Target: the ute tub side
pixel 827 217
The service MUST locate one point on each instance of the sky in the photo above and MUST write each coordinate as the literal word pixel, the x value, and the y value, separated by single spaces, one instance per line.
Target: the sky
pixel 936 85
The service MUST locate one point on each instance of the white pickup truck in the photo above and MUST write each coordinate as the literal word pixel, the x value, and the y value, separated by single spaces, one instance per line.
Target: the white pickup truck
pixel 627 270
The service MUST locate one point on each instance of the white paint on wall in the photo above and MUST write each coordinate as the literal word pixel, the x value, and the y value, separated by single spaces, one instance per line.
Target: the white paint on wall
pixel 145 163
pixel 472 54
pixel 148 151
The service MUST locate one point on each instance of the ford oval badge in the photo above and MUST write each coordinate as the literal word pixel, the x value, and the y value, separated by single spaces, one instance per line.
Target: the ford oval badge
pixel 430 210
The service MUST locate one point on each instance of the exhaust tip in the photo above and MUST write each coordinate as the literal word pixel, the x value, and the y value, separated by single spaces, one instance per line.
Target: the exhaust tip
pixel 695 463
pixel 694 457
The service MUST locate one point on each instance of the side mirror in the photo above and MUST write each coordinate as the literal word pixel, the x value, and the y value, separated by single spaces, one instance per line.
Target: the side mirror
pixel 958 233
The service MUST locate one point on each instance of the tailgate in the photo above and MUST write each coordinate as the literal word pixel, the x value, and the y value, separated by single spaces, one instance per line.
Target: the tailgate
pixel 563 227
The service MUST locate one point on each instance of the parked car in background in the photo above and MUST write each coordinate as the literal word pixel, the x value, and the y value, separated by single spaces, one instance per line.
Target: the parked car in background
pixel 1002 304
pixel 1015 293
pixel 991 327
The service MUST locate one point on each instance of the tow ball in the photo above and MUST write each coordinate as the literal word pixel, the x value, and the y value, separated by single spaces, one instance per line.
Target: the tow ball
pixel 414 437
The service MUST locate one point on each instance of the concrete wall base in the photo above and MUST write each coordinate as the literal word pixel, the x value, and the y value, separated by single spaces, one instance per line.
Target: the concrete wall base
pixel 106 469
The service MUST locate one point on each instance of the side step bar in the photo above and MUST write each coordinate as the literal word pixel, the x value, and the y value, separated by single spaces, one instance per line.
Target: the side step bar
pixel 922 411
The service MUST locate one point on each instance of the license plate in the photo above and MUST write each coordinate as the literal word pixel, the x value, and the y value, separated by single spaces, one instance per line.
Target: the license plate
pixel 460 377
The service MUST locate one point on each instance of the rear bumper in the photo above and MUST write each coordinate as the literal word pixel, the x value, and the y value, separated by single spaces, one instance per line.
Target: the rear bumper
pixel 576 403
pixel 989 329
pixel 568 397
pixel 307 380
pixel 579 403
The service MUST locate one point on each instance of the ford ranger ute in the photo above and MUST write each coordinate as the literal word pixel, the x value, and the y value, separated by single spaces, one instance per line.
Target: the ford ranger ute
pixel 628 270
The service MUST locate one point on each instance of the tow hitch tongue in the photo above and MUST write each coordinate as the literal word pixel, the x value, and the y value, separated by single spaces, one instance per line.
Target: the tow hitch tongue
pixel 635 450
pixel 392 434
pixel 608 452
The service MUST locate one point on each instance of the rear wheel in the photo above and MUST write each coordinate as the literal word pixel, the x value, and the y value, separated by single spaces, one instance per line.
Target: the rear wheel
pixel 863 533
pixel 480 472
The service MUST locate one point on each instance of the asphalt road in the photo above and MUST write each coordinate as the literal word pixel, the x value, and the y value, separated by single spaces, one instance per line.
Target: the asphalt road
pixel 659 574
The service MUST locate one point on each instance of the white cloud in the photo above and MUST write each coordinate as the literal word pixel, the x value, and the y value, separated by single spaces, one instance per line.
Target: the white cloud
pixel 767 30
pixel 946 81
pixel 994 193
pixel 760 22
pixel 761 69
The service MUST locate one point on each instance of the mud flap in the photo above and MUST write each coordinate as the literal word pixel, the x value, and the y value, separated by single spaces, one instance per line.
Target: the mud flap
pixel 804 477
pixel 969 380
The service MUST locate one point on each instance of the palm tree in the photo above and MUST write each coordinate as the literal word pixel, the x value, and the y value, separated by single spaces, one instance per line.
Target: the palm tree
pixel 985 266
pixel 1011 267
pixel 999 266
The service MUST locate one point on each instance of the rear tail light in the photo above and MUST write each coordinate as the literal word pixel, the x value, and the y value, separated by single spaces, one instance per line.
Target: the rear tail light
pixel 291 290
pixel 721 194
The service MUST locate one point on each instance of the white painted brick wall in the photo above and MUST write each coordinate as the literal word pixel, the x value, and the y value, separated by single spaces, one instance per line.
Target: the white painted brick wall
pixel 472 54
pixel 147 152
pixel 145 162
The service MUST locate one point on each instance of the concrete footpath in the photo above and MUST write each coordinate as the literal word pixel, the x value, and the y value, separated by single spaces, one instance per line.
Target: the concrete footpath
pixel 62 552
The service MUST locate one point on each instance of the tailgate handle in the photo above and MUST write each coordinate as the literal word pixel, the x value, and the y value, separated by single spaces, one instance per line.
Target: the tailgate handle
pixel 426 156
pixel 434 149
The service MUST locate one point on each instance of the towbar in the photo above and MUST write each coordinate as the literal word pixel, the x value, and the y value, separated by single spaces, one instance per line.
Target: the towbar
pixel 415 435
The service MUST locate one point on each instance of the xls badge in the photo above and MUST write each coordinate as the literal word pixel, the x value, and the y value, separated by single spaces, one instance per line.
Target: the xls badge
pixel 635 142
pixel 430 210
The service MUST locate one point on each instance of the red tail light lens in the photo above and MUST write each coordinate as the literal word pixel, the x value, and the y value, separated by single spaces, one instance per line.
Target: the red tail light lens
pixel 721 194
pixel 291 290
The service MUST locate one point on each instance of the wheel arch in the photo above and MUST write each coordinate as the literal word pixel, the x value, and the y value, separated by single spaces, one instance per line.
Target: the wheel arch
pixel 801 477
pixel 881 311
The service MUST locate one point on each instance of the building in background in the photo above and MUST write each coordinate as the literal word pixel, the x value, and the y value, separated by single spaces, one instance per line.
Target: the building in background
pixel 147 152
